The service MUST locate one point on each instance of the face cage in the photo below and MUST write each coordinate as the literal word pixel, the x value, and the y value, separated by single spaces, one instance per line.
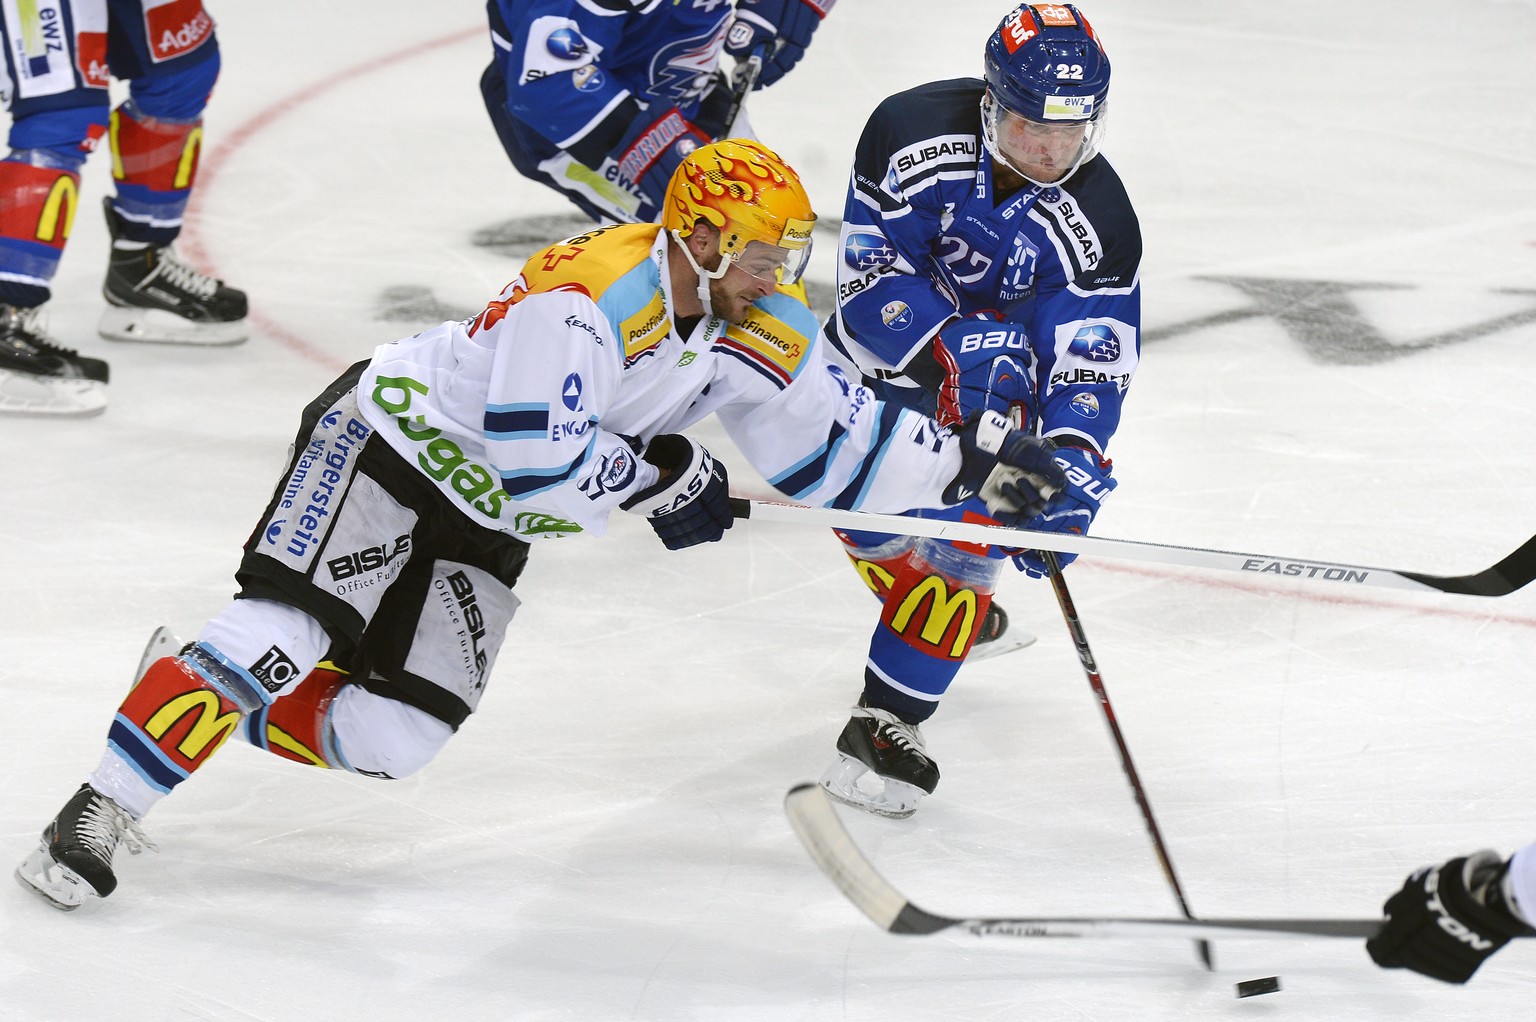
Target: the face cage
pixel 992 113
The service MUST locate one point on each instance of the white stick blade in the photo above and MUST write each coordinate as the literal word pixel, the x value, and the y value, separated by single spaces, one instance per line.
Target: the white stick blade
pixel 815 821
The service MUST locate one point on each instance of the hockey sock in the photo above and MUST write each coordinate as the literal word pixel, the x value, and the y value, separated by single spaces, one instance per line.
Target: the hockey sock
pixel 37 211
pixel 298 725
pixel 929 621
pixel 182 710
pixel 154 162
pixel 876 558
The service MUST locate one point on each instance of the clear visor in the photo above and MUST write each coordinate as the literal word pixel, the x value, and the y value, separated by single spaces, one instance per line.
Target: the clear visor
pixel 1044 152
pixel 773 263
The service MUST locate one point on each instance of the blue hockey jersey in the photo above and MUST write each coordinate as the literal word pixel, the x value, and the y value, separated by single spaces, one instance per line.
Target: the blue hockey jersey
pixel 574 74
pixel 926 236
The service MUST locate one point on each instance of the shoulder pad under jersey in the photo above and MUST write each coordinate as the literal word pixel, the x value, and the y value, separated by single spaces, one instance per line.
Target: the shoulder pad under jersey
pixel 776 340
pixel 916 134
pixel 1094 224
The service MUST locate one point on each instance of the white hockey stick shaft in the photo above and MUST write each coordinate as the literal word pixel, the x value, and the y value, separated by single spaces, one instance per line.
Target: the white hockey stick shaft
pixel 1503 578
pixel 832 848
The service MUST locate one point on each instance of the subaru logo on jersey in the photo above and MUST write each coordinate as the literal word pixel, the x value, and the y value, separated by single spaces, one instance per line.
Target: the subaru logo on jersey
pixel 896 315
pixel 867 251
pixel 1096 342
pixel 567 44
pixel 1086 405
pixel 570 393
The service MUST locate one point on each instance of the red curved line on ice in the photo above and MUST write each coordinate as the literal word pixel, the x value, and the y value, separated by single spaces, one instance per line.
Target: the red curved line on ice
pixel 191 241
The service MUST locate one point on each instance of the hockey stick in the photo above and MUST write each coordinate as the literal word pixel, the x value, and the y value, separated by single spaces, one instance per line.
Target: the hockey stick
pixel 743 81
pixel 1510 574
pixel 831 847
pixel 1096 682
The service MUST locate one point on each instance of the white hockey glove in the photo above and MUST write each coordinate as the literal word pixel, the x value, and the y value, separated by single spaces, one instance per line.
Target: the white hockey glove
pixel 1012 472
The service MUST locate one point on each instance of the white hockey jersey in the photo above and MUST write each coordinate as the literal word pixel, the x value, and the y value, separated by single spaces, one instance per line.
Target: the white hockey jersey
pixel 530 416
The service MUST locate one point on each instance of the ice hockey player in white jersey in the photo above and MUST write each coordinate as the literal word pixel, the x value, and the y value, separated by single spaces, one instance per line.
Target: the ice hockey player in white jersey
pixel 601 99
pixel 376 588
pixel 1448 919
pixel 990 259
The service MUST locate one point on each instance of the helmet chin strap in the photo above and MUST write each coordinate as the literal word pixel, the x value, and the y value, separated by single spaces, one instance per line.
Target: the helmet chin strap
pixel 704 276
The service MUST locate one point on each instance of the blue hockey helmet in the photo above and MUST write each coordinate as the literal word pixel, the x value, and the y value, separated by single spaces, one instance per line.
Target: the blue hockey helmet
pixel 1047 75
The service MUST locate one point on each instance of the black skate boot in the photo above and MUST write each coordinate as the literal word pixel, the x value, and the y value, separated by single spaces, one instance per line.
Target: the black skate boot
pixel 74 860
pixel 154 296
pixel 879 748
pixel 996 636
pixel 37 377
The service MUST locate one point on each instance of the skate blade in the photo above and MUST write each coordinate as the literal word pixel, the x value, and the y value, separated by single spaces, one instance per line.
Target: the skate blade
pixel 157 326
pixel 23 394
pixel 1009 643
pixel 161 644
pixel 58 886
pixel 852 783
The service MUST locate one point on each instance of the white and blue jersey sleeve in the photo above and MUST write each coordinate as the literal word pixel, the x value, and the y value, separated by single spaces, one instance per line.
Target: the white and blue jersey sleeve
pixel 814 434
pixel 557 370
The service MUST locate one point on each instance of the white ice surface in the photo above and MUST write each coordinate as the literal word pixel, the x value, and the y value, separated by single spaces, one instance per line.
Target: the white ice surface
pixel 604 840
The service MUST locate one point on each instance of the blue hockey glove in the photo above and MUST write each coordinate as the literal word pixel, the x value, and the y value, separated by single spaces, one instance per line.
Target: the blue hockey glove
pixel 986 364
pixel 1087 484
pixel 691 503
pixel 1448 919
pixel 1012 472
pixel 659 139
pixel 785 25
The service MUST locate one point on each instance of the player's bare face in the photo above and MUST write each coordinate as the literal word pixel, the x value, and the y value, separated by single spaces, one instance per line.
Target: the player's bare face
pixel 751 276
pixel 1042 151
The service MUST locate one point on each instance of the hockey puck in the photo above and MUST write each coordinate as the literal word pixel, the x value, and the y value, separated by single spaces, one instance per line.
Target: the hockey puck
pixel 1254 987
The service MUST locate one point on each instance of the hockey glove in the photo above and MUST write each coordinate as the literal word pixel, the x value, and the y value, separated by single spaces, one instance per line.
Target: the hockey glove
pixel 986 364
pixel 784 26
pixel 691 503
pixel 714 106
pixel 1088 483
pixel 658 140
pixel 1011 471
pixel 1447 920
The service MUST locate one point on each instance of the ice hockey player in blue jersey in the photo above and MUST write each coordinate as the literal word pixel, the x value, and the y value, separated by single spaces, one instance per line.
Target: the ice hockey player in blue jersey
pixel 61 60
pixel 419 481
pixel 989 260
pixel 601 99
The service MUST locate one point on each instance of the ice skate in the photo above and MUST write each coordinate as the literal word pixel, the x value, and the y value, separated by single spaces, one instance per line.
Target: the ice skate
pixel 37 377
pixel 997 636
pixel 162 643
pixel 153 296
pixel 73 862
pixel 882 765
